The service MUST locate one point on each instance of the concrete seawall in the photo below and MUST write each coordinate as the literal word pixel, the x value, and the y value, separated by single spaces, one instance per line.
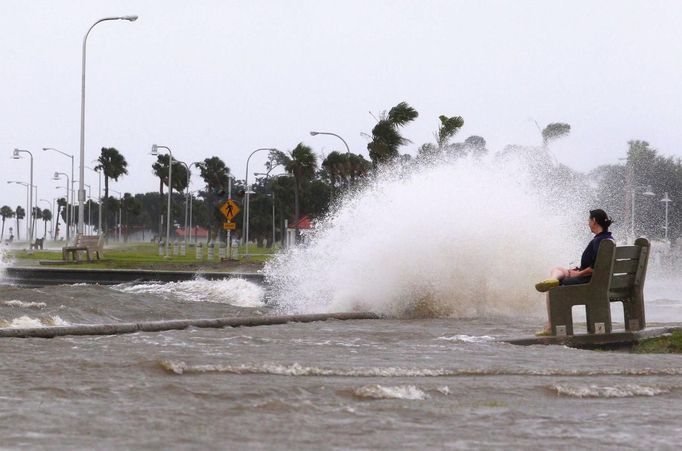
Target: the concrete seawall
pixel 39 276
pixel 180 324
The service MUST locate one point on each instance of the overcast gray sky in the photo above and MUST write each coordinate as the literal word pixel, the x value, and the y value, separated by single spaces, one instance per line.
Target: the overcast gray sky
pixel 226 77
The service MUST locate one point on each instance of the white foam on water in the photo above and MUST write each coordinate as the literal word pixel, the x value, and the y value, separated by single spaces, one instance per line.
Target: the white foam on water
pixel 296 369
pixel 233 291
pixel 613 391
pixel 24 322
pixel 467 338
pixel 376 391
pixel 22 304
pixel 462 238
pixel 444 389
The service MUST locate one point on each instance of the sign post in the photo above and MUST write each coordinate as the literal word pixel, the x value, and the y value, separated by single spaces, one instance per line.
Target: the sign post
pixel 229 209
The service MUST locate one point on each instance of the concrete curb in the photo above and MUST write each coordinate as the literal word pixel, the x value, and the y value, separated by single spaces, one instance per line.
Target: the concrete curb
pixel 38 276
pixel 597 341
pixel 158 326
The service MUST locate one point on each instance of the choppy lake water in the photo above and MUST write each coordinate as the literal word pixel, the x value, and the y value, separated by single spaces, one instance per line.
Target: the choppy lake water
pixel 372 384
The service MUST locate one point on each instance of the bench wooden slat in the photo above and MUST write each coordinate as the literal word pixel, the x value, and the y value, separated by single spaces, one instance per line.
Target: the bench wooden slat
pixel 625 266
pixel 622 281
pixel 624 252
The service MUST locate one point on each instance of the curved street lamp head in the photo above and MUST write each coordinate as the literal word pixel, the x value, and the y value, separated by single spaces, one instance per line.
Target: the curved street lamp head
pixel 155 150
pixel 314 133
pixel 648 191
pixel 129 18
pixel 15 154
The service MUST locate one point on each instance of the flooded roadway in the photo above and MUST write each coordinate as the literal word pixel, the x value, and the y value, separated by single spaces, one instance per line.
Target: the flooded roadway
pixel 379 384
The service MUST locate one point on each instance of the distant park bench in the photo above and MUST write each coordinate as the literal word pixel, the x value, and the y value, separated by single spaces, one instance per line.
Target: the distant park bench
pixel 618 276
pixel 90 244
pixel 38 243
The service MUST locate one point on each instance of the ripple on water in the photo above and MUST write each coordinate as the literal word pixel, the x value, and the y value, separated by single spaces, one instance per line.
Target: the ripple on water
pixel 608 391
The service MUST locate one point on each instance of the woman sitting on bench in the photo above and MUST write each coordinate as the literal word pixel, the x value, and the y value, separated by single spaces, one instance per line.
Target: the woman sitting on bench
pixel 599 223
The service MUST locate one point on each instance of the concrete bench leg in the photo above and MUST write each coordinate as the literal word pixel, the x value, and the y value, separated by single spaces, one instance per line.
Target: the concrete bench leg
pixel 598 316
pixel 634 314
pixel 560 315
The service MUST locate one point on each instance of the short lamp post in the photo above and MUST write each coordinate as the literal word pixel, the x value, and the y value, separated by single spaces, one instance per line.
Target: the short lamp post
pixel 155 151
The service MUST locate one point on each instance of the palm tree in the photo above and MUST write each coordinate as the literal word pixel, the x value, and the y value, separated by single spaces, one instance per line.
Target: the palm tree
pixel 37 214
pixel 300 162
pixel 113 165
pixel 20 214
pixel 61 213
pixel 47 216
pixel 553 131
pixel 386 138
pixel 5 212
pixel 337 166
pixel 179 175
pixel 129 206
pixel 359 167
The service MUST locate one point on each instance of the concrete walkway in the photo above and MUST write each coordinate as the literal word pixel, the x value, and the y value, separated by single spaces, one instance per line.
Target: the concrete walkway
pixel 39 276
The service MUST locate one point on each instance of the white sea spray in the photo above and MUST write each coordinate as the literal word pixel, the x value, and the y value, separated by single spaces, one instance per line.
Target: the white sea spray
pixel 460 238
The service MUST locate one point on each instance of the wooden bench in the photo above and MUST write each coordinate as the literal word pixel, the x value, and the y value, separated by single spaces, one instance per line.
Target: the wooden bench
pixel 618 276
pixel 90 244
pixel 38 244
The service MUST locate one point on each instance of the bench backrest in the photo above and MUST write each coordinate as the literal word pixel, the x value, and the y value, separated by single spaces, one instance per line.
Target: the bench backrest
pixel 629 269
pixel 621 270
pixel 91 241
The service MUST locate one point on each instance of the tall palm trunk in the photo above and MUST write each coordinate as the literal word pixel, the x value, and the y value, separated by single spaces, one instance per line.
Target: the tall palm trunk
pixel 2 235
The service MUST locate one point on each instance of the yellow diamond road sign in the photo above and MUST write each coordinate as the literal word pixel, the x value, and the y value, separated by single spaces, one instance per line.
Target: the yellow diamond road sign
pixel 229 209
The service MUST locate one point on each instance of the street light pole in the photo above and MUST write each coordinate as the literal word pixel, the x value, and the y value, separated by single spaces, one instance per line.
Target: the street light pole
pixel 99 199
pixel 647 192
pixel 246 201
pixel 70 207
pixel 332 134
pixel 68 185
pixel 184 235
pixel 666 200
pixel 16 155
pixel 272 195
pixel 155 151
pixel 120 216
pixel 81 189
